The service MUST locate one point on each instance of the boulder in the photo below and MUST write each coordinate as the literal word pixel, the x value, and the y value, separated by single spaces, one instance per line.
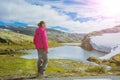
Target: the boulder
pixel 94 59
pixel 2 40
pixel 115 59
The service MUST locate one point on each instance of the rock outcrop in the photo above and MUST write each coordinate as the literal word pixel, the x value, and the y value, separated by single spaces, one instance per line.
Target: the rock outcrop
pixel 115 60
pixel 2 40
pixel 94 59
pixel 86 41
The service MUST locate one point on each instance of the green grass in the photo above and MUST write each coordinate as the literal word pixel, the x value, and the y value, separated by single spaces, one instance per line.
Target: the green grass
pixel 54 43
pixel 97 69
pixel 19 42
pixel 12 66
pixel 16 38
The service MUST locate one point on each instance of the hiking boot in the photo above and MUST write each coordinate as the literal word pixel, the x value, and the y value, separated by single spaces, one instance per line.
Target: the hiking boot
pixel 42 71
pixel 39 75
pixel 44 75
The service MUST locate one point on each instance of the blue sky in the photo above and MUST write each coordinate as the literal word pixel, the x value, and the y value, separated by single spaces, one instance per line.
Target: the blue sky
pixel 69 15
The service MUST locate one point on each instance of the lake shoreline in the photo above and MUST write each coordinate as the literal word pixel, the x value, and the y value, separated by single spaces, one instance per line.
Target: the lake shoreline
pixel 14 48
pixel 65 52
pixel 56 68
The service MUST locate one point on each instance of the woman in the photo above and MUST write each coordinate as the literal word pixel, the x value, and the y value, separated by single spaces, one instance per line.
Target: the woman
pixel 41 44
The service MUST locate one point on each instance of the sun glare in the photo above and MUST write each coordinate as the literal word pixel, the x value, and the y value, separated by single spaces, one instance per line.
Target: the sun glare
pixel 110 7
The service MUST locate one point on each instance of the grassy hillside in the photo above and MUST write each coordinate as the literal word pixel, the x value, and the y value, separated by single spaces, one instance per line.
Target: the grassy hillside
pixel 54 35
pixel 11 41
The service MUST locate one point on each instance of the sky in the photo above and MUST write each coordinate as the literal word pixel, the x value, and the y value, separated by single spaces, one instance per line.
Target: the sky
pixel 79 16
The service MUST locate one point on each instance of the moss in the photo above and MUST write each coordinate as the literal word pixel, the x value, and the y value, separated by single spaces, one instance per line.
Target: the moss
pixel 115 70
pixel 94 59
pixel 96 69
pixel 115 59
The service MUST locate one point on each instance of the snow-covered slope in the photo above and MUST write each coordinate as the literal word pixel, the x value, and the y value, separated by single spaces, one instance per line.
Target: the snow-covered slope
pixel 114 51
pixel 106 42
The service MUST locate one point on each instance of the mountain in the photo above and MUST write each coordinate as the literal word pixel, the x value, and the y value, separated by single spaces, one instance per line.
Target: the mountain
pixel 102 40
pixel 54 35
pixel 11 42
pixel 18 29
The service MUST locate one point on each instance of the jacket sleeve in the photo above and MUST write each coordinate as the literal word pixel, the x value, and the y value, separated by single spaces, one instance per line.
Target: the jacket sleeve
pixel 45 40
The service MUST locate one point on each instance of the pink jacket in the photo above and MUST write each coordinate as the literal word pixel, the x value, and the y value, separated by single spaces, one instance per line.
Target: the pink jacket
pixel 40 39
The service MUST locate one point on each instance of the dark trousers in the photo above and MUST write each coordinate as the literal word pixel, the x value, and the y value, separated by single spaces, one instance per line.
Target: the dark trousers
pixel 42 60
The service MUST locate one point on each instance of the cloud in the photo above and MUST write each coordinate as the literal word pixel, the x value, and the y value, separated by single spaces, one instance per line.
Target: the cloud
pixel 55 14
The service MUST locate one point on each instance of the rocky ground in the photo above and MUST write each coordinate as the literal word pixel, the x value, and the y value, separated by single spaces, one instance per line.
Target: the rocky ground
pixel 86 78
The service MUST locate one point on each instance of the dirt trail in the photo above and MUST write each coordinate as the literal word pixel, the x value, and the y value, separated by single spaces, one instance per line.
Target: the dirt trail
pixel 71 78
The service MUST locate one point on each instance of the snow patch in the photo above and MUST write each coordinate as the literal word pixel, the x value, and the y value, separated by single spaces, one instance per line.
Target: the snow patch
pixel 114 51
pixel 105 42
pixel 4 29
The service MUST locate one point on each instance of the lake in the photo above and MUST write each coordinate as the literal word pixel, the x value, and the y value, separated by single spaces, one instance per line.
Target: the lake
pixel 65 52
